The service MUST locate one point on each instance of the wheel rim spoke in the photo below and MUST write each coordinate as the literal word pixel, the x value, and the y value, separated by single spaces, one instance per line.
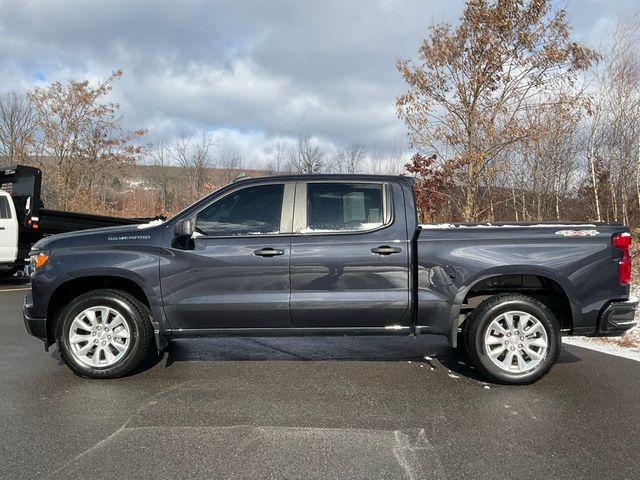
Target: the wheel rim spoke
pixel 537 342
pixel 536 328
pixel 494 354
pixel 524 322
pixel 509 318
pixel 507 362
pixel 88 315
pixel 516 342
pixel 77 338
pixel 120 347
pixel 104 315
pixel 533 354
pixel 92 340
pixel 497 326
pixel 84 350
pixel 108 355
pixel 116 321
pixel 121 334
pixel 522 364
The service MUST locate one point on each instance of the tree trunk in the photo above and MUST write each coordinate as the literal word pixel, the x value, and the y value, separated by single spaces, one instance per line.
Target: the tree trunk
pixel 468 213
pixel 638 176
pixel 594 181
pixel 557 198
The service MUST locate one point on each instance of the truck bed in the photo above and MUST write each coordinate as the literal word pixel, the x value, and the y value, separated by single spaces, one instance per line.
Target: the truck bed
pixel 56 221
pixel 457 262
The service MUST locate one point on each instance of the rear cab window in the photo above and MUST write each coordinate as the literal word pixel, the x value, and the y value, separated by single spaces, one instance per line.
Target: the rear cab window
pixel 343 207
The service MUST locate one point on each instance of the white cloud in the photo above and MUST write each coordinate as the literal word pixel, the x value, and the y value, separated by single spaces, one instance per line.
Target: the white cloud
pixel 252 72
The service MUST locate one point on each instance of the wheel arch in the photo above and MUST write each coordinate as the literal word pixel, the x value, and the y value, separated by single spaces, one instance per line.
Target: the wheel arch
pixel 73 288
pixel 564 305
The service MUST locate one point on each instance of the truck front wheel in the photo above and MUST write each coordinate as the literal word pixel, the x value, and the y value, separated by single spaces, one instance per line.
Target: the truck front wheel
pixel 104 334
pixel 513 338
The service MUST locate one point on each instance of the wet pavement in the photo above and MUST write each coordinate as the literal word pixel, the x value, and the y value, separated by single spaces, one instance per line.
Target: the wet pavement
pixel 312 408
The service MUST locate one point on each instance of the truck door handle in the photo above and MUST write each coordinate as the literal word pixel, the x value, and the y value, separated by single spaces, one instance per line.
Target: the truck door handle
pixel 268 252
pixel 1 228
pixel 386 250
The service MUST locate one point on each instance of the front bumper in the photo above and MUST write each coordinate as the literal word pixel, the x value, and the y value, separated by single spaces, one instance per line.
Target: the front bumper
pixel 36 326
pixel 617 317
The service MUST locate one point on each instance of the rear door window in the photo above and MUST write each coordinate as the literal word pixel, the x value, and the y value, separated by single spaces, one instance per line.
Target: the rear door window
pixel 344 207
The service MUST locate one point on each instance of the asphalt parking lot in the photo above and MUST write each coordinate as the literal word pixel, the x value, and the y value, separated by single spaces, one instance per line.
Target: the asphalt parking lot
pixel 311 408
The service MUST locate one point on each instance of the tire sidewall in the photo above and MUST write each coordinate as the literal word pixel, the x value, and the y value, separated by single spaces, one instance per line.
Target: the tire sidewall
pixel 89 300
pixel 546 318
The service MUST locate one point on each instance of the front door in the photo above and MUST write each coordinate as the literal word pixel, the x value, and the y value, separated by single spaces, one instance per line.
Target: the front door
pixel 8 230
pixel 350 258
pixel 236 272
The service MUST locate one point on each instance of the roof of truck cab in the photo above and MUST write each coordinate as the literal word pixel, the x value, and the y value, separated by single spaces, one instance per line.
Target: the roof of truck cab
pixel 330 176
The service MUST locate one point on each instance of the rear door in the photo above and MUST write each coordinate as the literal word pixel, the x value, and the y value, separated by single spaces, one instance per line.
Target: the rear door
pixel 8 230
pixel 349 256
pixel 236 272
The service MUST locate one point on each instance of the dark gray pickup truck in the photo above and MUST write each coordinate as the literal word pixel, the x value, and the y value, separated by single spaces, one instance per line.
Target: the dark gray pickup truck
pixel 328 255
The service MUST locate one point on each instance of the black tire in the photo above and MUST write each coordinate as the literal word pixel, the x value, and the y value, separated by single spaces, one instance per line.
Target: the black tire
pixel 134 313
pixel 480 320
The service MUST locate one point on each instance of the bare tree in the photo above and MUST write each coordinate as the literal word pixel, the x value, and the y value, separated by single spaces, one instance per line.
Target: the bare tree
pixel 278 162
pixel 306 158
pixel 614 140
pixel 193 155
pixel 230 164
pixel 161 157
pixel 469 94
pixel 17 127
pixel 349 159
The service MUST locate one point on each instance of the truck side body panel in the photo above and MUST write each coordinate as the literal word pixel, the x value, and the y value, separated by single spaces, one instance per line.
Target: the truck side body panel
pixel 452 260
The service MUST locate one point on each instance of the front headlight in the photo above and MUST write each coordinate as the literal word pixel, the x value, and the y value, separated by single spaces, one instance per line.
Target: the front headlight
pixel 37 260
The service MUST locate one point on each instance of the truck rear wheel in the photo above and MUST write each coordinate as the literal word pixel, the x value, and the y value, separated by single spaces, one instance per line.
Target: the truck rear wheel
pixel 513 339
pixel 104 334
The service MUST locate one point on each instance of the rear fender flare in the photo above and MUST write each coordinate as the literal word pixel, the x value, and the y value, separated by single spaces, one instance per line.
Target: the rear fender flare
pixel 564 283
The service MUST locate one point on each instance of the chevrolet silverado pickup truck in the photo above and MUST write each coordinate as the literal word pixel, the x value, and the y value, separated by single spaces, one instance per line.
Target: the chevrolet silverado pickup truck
pixel 328 255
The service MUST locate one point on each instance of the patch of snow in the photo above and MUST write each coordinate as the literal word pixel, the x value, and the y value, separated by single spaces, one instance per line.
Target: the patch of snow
pixel 627 346
pixel 150 224
pixel 599 345
pixel 440 226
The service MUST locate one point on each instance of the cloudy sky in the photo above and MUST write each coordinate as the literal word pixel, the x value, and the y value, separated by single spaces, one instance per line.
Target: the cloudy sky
pixel 253 73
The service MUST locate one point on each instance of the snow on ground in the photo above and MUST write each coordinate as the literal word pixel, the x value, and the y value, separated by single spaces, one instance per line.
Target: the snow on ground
pixel 627 346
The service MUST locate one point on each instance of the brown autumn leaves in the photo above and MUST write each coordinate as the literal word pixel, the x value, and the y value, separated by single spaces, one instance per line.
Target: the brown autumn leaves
pixel 511 120
pixel 70 132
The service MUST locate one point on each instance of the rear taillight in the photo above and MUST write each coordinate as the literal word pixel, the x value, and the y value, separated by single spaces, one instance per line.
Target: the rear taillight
pixel 623 242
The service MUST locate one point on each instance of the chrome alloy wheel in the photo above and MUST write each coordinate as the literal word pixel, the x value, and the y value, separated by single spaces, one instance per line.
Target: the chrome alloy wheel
pixel 516 342
pixel 99 337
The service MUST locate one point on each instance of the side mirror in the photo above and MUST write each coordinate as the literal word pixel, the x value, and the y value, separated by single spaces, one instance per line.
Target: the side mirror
pixel 182 232
pixel 185 228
